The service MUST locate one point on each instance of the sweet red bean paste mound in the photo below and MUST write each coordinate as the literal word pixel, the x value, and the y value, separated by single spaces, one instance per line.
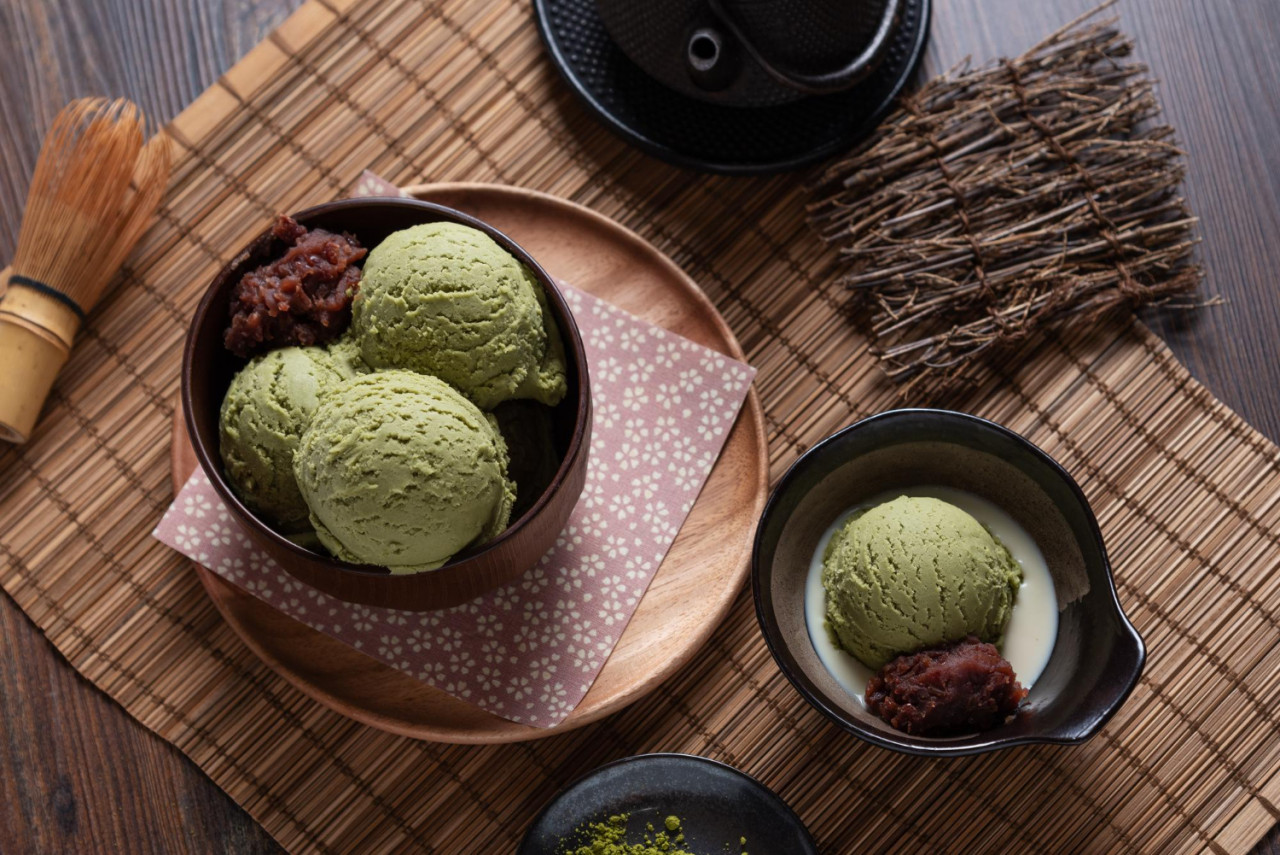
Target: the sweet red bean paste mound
pixel 302 298
pixel 946 691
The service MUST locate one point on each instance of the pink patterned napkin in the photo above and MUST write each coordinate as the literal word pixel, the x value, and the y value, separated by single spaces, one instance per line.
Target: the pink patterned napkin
pixel 530 651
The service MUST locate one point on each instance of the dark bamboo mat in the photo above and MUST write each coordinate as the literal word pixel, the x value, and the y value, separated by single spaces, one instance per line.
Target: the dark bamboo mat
pixel 1185 491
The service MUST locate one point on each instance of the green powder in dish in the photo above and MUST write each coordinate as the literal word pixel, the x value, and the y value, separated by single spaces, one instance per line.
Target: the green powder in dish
pixel 609 837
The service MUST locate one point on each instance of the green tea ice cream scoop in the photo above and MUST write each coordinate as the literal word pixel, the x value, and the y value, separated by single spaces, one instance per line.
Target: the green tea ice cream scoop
pixel 913 573
pixel 402 471
pixel 266 407
pixel 446 299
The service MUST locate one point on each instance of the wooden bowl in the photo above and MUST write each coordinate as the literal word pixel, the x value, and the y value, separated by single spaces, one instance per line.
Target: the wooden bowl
pixel 1097 656
pixel 207 369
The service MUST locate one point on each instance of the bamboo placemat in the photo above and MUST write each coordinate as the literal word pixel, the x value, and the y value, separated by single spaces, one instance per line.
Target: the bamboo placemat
pixel 1185 491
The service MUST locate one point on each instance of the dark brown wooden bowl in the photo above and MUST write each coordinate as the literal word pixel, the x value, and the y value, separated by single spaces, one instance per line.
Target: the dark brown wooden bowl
pixel 207 368
pixel 1097 656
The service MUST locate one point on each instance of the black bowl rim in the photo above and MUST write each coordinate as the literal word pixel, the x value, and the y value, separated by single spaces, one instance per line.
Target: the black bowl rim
pixel 573 345
pixel 784 810
pixel 925 746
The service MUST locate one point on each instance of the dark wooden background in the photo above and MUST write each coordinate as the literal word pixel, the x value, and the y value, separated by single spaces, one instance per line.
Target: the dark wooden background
pixel 78 775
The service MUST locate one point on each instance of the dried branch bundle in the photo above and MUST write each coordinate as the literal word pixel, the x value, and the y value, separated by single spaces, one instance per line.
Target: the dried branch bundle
pixel 995 202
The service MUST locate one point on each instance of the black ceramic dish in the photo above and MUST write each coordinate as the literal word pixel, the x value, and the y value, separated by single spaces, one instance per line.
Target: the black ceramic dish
pixel 734 140
pixel 1097 656
pixel 716 803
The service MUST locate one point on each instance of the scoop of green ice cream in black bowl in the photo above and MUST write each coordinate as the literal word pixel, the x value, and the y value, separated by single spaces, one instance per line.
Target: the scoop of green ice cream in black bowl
pixel 936 584
pixel 392 397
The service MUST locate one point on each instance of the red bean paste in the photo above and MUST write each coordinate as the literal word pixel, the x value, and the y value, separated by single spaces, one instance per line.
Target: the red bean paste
pixel 303 297
pixel 946 691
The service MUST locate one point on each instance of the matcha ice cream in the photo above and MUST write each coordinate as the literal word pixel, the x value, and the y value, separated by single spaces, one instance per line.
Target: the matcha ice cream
pixel 546 383
pixel 263 414
pixel 402 471
pixel 445 299
pixel 346 355
pixel 914 573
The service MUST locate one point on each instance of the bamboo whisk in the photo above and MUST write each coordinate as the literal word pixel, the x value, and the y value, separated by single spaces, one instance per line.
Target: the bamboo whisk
pixel 96 187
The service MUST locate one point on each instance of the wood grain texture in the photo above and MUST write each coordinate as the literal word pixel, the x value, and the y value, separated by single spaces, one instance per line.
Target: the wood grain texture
pixel 97 782
pixel 78 775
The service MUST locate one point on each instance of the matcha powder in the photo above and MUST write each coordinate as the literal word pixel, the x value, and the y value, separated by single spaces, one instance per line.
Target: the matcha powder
pixel 610 838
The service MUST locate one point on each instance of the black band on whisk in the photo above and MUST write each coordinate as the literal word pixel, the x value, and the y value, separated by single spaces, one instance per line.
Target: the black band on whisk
pixel 37 285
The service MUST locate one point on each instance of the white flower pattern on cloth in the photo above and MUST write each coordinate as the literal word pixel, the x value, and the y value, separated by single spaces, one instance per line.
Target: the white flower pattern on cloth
pixel 530 651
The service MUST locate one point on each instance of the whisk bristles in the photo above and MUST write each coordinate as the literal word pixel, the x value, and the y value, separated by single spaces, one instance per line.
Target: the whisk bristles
pixel 96 187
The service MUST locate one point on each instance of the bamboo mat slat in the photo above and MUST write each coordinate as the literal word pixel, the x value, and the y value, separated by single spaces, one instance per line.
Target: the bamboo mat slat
pixel 418 90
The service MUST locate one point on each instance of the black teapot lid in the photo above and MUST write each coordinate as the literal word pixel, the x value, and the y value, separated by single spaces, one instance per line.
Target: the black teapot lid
pixel 714 137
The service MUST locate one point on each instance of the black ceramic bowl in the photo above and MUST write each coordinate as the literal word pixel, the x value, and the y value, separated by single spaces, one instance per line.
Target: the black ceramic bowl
pixel 716 804
pixel 1097 656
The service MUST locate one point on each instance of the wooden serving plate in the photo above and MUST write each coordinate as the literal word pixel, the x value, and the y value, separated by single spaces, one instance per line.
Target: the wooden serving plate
pixel 692 590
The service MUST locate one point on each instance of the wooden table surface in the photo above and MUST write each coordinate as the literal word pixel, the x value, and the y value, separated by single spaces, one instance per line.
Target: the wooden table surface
pixel 78 775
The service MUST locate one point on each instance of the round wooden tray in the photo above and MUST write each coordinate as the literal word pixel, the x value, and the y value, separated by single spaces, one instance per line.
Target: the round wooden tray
pixel 693 588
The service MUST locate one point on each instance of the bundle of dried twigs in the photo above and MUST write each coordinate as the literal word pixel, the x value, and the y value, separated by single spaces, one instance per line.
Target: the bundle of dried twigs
pixel 995 202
